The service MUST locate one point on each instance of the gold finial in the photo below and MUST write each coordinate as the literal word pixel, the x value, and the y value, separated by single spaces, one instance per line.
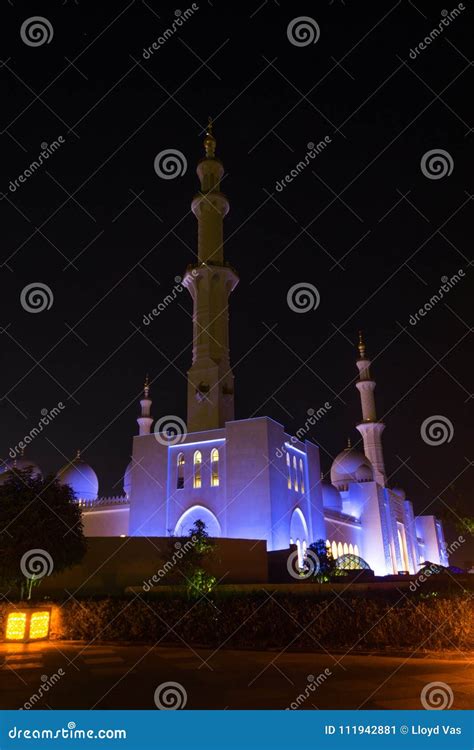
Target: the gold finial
pixel 78 454
pixel 146 387
pixel 361 346
pixel 349 444
pixel 210 141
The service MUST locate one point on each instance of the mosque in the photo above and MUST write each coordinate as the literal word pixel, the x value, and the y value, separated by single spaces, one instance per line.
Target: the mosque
pixel 248 478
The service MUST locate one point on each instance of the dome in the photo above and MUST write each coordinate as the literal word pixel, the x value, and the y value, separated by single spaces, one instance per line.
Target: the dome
pixel 331 497
pixel 81 477
pixel 127 479
pixel 399 492
pixel 20 464
pixel 350 466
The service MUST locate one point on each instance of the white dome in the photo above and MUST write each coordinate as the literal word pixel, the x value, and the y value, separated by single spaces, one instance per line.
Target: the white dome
pixel 399 492
pixel 350 466
pixel 331 497
pixel 127 479
pixel 21 464
pixel 81 477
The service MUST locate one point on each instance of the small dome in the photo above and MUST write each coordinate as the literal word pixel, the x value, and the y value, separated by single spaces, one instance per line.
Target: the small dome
pixel 350 466
pixel 331 497
pixel 81 477
pixel 20 464
pixel 127 479
pixel 399 492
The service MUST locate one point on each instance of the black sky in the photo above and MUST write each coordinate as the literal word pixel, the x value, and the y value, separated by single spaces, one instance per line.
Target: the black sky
pixel 364 203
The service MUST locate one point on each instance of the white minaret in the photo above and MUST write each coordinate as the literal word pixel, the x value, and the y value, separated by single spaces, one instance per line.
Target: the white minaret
pixel 210 282
pixel 370 429
pixel 145 420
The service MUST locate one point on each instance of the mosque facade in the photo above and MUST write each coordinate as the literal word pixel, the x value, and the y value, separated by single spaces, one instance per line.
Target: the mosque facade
pixel 248 478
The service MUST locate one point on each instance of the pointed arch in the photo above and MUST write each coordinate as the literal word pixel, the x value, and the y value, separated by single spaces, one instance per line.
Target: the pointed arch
pixel 334 550
pixel 340 551
pixel 356 550
pixel 351 549
pixel 289 469
pixel 198 513
pixel 295 471
pixel 301 476
pixel 214 468
pixel 345 549
pixel 197 469
pixel 180 464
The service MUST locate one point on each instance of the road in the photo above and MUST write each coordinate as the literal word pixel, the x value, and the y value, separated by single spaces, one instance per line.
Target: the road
pixel 121 676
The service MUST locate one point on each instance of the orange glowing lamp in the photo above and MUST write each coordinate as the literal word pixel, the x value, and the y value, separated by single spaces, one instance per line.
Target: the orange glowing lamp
pixel 28 625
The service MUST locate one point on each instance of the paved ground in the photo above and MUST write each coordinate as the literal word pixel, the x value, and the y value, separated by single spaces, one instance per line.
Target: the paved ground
pixel 126 677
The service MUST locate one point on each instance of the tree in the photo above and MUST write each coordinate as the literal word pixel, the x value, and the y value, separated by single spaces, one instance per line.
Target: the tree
pixel 41 530
pixel 327 564
pixel 199 548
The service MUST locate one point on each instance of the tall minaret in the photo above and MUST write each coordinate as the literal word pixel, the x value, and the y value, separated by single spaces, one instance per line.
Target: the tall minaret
pixel 145 420
pixel 210 282
pixel 370 429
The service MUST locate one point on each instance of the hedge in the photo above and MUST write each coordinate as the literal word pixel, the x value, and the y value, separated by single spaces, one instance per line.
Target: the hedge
pixel 260 621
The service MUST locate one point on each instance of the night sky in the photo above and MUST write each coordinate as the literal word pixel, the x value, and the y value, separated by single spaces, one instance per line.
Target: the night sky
pixel 362 223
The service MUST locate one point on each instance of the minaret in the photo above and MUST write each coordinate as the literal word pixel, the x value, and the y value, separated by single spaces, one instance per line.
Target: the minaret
pixel 370 429
pixel 145 421
pixel 210 282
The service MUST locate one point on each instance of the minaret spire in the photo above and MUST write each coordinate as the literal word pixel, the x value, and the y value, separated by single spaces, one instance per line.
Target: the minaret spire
pixel 370 428
pixel 145 420
pixel 210 282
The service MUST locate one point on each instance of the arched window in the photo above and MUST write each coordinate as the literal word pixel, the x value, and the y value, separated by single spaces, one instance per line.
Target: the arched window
pixel 356 550
pixel 339 550
pixel 295 474
pixel 305 548
pixel 289 470
pixel 180 465
pixel 197 478
pixel 301 476
pixel 214 468
pixel 328 544
pixel 351 549
pixel 346 548
pixel 334 550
